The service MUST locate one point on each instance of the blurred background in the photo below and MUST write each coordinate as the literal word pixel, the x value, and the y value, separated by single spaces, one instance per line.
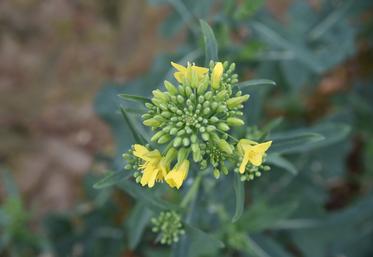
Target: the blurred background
pixel 62 62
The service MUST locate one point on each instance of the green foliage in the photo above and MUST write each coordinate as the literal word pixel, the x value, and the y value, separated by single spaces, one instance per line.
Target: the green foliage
pixel 300 208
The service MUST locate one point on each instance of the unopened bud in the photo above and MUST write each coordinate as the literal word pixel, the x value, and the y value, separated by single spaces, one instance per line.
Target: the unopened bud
pixel 236 101
pixel 235 121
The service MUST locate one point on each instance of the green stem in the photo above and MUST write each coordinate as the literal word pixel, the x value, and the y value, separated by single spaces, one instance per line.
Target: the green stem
pixel 232 137
pixel 192 192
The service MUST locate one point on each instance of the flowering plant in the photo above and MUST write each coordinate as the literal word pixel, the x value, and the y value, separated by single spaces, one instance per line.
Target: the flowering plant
pixel 192 132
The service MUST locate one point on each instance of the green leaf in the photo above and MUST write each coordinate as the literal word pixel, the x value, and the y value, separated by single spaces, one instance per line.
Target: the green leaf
pixel 264 215
pixel 211 46
pixel 275 39
pixel 281 162
pixel 255 82
pixel 135 98
pixel 201 243
pixel 333 18
pixel 145 195
pixel 293 142
pixel 239 191
pixel 111 178
pixel 137 222
pixel 135 132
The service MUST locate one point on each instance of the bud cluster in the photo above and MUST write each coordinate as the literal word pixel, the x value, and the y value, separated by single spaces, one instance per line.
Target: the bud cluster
pixel 132 163
pixel 198 114
pixel 168 226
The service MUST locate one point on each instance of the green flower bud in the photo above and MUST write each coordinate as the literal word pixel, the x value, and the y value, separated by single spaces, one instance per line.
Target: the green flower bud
pixel 210 128
pixel 166 114
pixel 235 121
pixel 182 154
pixel 157 136
pixel 205 136
pixel 196 152
pixel 223 126
pixel 177 141
pixel 164 139
pixel 160 95
pixel 236 101
pixel 170 88
pixel 216 173
pixel 152 122
pixel 186 141
pixel 224 169
pixel 225 146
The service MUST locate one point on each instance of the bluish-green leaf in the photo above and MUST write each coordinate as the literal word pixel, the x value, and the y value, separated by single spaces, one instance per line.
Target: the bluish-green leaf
pixel 281 162
pixel 275 39
pixel 239 191
pixel 145 195
pixel 211 46
pixel 135 132
pixel 135 98
pixel 293 142
pixel 111 178
pixel 201 243
pixel 137 222
pixel 255 82
pixel 263 215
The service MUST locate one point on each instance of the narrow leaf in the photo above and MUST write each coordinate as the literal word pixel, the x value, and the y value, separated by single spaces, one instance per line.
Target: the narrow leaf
pixel 145 195
pixel 255 82
pixel 281 162
pixel 294 142
pixel 239 191
pixel 135 98
pixel 275 39
pixel 211 46
pixel 135 132
pixel 111 178
pixel 201 243
pixel 137 222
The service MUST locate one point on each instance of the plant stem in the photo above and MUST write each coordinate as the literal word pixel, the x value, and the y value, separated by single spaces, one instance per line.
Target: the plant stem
pixel 192 192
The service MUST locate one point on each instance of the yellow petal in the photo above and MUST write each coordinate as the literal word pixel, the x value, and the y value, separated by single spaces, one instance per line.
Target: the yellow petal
pixel 179 67
pixel 263 147
pixel 244 162
pixel 257 152
pixel 164 168
pixel 217 73
pixel 176 177
pixel 149 176
pixel 179 76
pixel 140 151
pixel 255 158
pixel 200 70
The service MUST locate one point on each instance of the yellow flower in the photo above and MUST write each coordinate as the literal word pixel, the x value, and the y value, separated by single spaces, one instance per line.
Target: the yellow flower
pixel 217 73
pixel 177 175
pixel 252 152
pixel 191 73
pixel 154 167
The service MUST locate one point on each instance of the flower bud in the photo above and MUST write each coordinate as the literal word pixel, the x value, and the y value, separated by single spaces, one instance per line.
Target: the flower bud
pixel 223 126
pixel 164 139
pixel 216 173
pixel 170 88
pixel 177 142
pixel 186 141
pixel 152 122
pixel 157 136
pixel 236 101
pixel 216 75
pixel 235 121
pixel 224 146
pixel 196 152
